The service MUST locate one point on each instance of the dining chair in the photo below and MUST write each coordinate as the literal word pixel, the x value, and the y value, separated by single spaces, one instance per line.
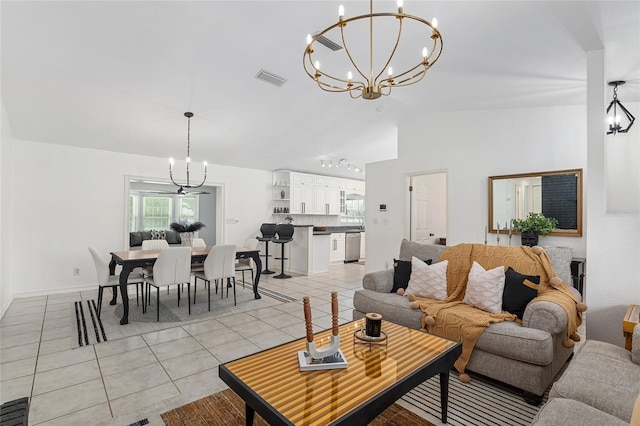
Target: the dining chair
pixel 105 279
pixel 244 265
pixel 173 267
pixel 218 265
pixel 152 245
pixel 198 242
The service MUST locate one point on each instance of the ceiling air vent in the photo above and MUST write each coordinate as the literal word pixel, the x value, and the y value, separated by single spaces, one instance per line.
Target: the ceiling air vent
pixel 329 44
pixel 271 78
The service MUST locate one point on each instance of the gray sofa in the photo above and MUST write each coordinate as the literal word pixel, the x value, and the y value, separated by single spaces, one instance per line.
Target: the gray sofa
pixel 599 387
pixel 527 356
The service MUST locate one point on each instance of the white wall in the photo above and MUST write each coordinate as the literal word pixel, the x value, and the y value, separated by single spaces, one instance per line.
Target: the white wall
pixel 613 249
pixel 67 198
pixel 6 212
pixel 470 146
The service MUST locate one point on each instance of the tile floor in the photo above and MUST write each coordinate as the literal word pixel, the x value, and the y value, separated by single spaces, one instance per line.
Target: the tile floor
pixel 147 370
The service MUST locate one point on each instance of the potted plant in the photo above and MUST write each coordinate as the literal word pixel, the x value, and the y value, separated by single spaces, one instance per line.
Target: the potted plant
pixel 532 226
pixel 186 230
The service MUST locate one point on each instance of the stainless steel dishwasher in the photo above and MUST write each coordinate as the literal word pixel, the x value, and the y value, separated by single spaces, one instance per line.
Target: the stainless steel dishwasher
pixel 352 247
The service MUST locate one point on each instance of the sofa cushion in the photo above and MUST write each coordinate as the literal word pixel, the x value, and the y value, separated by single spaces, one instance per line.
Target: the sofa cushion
pixel 511 340
pixel 485 288
pixel 146 235
pixel 428 281
pixel 567 412
pixel 601 375
pixel 402 273
pixel 135 239
pixel 408 249
pixel 517 294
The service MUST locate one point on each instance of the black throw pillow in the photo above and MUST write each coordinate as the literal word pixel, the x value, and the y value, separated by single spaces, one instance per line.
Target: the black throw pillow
pixel 402 273
pixel 135 239
pixel 516 294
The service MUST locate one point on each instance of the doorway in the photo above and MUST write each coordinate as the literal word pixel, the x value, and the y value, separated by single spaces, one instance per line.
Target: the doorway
pixel 428 208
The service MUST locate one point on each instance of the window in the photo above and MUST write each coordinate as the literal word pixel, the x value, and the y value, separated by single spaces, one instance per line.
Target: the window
pixel 149 211
pixel 156 212
pixel 354 210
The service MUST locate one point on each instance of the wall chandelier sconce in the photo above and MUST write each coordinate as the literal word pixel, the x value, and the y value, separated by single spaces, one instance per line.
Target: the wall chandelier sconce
pixel 371 83
pixel 616 111
pixel 183 187
pixel 339 163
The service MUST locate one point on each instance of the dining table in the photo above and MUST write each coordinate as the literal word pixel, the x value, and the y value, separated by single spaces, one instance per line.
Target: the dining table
pixel 131 259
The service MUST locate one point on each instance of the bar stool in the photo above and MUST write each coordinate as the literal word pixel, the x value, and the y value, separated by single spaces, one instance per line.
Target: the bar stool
pixel 285 235
pixel 268 231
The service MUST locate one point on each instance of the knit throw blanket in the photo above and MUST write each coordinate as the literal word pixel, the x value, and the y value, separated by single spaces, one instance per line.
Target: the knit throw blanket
pixel 458 321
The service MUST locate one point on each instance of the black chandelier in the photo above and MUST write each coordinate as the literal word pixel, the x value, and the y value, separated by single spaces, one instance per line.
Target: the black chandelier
pixel 616 110
pixel 187 185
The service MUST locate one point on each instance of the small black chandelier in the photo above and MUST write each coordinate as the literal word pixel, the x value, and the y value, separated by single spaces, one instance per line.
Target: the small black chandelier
pixel 615 110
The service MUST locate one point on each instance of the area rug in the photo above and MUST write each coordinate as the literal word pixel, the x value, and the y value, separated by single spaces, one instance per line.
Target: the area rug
pixel 227 408
pixel 482 401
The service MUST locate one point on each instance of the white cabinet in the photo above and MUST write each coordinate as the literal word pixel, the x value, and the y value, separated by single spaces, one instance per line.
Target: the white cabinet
pixel 301 199
pixel 337 247
pixel 333 200
pixel 320 205
pixel 362 245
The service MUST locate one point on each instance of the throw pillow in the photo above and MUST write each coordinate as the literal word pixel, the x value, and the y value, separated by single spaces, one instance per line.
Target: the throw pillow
pixel 135 239
pixel 155 234
pixel 428 281
pixel 402 273
pixel 172 237
pixel 484 288
pixel 517 294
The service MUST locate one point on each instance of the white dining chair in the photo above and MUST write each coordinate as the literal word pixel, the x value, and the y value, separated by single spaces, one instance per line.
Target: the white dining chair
pixel 173 267
pixel 218 265
pixel 198 243
pixel 113 281
pixel 244 265
pixel 154 244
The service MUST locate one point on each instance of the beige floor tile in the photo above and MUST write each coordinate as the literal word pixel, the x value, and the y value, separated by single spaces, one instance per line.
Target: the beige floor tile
pixel 125 344
pixel 235 319
pixel 271 339
pixel 14 369
pixel 57 333
pixel 139 400
pixel 234 350
pixel 201 384
pixel 8 320
pixel 126 361
pixel 216 338
pixel 20 339
pixel 189 364
pixel 162 336
pixel 27 327
pixel 66 376
pixel 17 353
pixel 51 405
pixel 251 329
pixel 132 381
pixel 87 416
pixel 174 348
pixel 205 326
pixel 55 345
pixel 65 358
pixel 15 388
pixel 280 321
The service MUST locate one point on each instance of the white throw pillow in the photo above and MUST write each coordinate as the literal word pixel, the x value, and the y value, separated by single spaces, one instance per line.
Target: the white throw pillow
pixel 484 288
pixel 428 281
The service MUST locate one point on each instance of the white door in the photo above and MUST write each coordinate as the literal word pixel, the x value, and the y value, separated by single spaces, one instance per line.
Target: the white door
pixel 428 212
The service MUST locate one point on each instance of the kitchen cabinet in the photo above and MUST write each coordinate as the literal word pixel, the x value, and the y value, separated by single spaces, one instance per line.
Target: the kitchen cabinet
pixel 301 199
pixel 337 247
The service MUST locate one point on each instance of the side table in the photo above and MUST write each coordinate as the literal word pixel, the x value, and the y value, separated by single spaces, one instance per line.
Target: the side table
pixel 631 319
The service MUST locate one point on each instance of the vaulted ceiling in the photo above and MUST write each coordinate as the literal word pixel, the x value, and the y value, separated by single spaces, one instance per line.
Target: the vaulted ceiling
pixel 118 75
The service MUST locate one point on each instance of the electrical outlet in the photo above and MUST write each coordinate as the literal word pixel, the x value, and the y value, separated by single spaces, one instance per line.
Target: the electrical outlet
pixel 76 271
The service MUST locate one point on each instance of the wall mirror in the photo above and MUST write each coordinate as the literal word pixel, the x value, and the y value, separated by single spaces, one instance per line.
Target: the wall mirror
pixel 555 194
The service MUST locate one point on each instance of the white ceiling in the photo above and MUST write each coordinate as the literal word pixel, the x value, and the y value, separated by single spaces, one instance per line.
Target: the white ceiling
pixel 118 75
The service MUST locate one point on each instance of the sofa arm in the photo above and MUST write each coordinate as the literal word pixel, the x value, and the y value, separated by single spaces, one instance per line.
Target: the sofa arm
pixel 546 316
pixel 380 281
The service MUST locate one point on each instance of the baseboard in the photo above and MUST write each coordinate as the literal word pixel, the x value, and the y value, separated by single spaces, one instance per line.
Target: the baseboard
pixel 22 295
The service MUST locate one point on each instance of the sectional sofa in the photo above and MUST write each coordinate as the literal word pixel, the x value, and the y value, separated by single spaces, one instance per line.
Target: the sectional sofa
pixel 525 355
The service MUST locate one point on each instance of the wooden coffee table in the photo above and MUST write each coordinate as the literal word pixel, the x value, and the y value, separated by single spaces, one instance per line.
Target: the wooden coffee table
pixel 271 383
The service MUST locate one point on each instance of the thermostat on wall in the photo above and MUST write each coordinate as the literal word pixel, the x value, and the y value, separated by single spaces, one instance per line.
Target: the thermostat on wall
pixel 383 207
